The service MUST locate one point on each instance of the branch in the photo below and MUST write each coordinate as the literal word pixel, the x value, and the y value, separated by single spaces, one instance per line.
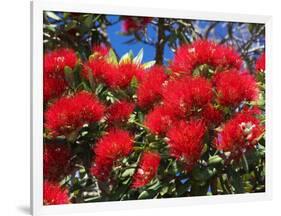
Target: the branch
pixel 160 42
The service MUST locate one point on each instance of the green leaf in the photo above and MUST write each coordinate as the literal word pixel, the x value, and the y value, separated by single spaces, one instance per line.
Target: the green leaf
pixel 52 15
pixel 71 25
pixel 88 21
pixel 237 182
pixel 181 188
pixel 134 83
pixel 199 190
pixel 69 76
pixel 128 172
pixel 245 163
pixel 138 59
pixel 202 174
pixel 149 64
pixel 164 190
pixel 216 159
pixel 50 27
pixel 126 58
pixel 111 57
pixel 143 195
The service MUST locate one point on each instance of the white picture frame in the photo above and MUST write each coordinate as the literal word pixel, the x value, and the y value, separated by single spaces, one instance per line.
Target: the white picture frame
pixel 87 6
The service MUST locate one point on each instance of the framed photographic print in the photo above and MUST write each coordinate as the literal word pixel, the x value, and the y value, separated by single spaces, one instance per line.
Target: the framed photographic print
pixel 142 107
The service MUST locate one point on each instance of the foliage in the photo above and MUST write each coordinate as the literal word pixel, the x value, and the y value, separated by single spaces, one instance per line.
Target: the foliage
pixel 118 128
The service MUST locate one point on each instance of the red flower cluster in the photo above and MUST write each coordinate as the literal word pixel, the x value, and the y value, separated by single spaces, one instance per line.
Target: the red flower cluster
pixel 260 63
pixel 234 86
pixel 53 194
pixel 150 89
pixel 131 24
pixel 54 64
pixel 159 120
pixel 55 61
pixel 190 56
pixel 113 146
pixel 211 115
pixel 185 141
pixel 70 113
pixel 147 169
pixel 114 76
pixel 239 134
pixel 181 96
pixel 119 111
pixel 187 105
pixel 56 160
pixel 126 72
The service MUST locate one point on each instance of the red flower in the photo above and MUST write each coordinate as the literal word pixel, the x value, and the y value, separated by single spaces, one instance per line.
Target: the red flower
pixel 56 161
pixel 126 72
pixel 177 98
pixel 240 133
pixel 260 63
pixel 190 56
pixel 53 87
pixel 53 194
pixel 201 91
pixel 111 147
pixel 147 169
pixel 185 141
pixel 100 70
pixel 159 120
pixel 55 61
pixel 112 75
pixel 211 115
pixel 180 96
pixel 70 113
pixel 131 24
pixel 119 111
pixel 100 50
pixel 234 86
pixel 150 88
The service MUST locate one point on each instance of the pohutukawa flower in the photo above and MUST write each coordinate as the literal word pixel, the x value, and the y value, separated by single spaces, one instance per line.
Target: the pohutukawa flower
pixel 211 115
pixel 56 160
pixel 53 87
pixel 109 149
pixel 150 89
pixel 260 63
pixel 234 87
pixel 240 133
pixel 114 76
pixel 70 113
pixel 100 70
pixel 126 72
pixel 53 194
pixel 54 64
pixel 131 24
pixel 181 96
pixel 189 56
pixel 55 61
pixel 159 120
pixel 119 111
pixel 201 91
pixel 186 141
pixel 100 50
pixel 177 99
pixel 147 169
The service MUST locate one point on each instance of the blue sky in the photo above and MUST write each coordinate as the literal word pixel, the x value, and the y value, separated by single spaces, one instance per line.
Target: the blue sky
pixel 118 42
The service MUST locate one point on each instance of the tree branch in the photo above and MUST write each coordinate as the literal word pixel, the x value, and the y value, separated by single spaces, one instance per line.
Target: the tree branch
pixel 160 42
